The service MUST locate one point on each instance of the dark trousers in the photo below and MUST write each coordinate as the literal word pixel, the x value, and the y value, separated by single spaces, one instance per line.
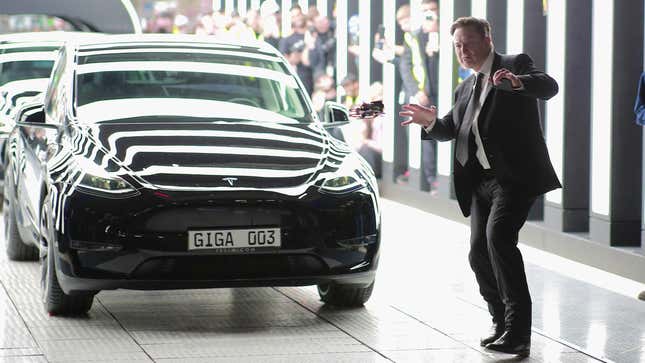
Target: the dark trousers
pixel 497 214
pixel 429 160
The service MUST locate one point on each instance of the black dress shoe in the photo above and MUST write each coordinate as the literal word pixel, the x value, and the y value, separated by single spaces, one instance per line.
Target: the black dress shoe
pixel 512 344
pixel 496 331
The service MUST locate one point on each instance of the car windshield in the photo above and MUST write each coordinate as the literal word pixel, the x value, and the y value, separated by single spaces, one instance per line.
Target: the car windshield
pixel 242 84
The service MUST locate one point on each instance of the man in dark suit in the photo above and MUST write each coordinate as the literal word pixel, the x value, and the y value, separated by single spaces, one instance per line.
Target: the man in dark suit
pixel 501 164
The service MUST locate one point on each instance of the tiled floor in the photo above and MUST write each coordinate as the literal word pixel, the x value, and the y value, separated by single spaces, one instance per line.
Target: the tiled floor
pixel 425 308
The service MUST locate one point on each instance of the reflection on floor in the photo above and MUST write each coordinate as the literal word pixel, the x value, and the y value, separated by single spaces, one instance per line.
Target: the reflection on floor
pixel 425 308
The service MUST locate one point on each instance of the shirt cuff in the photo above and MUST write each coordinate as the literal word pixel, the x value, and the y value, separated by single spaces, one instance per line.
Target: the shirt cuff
pixel 429 128
pixel 520 88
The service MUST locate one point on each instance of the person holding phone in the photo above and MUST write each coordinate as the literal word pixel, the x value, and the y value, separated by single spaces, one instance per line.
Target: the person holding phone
pixel 501 164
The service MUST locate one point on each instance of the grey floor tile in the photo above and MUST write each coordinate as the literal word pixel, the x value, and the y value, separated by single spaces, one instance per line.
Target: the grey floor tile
pixel 256 348
pixel 356 357
pixel 129 357
pixel 170 336
pixel 439 356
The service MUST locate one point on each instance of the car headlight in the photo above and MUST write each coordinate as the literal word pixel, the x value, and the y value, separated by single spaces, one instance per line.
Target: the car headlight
pixel 97 180
pixel 105 184
pixel 348 178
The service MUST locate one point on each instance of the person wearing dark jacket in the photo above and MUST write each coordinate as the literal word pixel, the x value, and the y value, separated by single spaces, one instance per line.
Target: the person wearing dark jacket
pixel 501 164
pixel 639 108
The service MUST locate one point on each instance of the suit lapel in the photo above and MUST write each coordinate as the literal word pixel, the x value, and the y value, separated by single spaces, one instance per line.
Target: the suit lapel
pixel 484 120
pixel 497 64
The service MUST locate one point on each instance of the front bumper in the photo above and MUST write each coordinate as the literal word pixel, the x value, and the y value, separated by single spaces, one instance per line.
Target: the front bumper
pixel 142 243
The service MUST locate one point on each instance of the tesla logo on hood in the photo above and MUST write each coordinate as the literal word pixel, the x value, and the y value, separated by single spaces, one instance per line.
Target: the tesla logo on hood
pixel 230 180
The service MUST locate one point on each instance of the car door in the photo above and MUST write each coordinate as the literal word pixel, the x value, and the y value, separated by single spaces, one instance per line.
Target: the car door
pixel 32 154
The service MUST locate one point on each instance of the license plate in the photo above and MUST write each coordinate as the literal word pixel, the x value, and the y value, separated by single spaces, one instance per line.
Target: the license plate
pixel 232 240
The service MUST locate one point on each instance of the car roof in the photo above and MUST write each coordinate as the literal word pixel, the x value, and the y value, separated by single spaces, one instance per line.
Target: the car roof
pixel 137 41
pixel 47 37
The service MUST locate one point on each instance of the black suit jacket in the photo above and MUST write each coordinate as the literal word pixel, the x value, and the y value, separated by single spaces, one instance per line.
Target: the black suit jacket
pixel 509 126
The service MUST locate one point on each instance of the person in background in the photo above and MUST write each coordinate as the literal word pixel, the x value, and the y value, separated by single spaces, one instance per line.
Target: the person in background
pixel 639 108
pixel 324 90
pixel 295 11
pixel 404 20
pixel 350 86
pixel 428 37
pixel 371 146
pixel 270 14
pixel 299 29
pixel 322 46
pixel 294 55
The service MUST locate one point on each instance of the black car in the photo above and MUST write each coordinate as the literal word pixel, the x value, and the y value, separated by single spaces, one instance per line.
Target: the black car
pixel 168 162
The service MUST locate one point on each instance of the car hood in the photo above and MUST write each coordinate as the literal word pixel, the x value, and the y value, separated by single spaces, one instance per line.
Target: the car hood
pixel 175 152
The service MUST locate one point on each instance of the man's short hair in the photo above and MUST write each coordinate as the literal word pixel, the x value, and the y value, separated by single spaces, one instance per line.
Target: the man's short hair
pixel 403 12
pixel 481 26
pixel 349 78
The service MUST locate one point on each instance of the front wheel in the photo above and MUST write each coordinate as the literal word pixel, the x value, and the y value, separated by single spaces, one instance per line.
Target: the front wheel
pixel 345 296
pixel 55 300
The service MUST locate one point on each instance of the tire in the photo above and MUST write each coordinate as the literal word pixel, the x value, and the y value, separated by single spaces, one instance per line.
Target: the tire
pixel 55 300
pixel 17 250
pixel 344 296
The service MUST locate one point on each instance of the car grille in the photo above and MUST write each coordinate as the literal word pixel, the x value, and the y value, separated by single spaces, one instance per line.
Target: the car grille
pixel 229 267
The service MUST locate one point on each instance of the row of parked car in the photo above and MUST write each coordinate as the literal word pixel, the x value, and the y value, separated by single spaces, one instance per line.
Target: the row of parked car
pixel 167 161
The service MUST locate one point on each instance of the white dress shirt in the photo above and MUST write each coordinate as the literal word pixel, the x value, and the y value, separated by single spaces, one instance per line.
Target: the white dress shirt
pixel 486 87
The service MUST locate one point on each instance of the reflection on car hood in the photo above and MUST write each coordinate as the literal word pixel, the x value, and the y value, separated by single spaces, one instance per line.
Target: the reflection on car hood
pixel 124 109
pixel 201 154
pixel 17 92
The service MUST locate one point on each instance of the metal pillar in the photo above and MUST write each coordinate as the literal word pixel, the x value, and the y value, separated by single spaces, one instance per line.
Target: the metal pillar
pixel 615 187
pixel 568 114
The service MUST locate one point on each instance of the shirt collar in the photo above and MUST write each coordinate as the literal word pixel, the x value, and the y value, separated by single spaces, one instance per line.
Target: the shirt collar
pixel 488 64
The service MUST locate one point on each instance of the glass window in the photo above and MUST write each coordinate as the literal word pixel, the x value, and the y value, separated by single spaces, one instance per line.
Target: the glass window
pixel 260 83
pixel 22 70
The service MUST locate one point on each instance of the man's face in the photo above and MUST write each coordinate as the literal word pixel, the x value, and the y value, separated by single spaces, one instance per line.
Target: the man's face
pixel 351 88
pixel 431 17
pixel 471 47
pixel 404 23
pixel 322 24
pixel 431 6
pixel 294 58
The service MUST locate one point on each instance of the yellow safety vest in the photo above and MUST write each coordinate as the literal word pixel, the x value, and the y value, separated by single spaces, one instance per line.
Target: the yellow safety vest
pixel 418 68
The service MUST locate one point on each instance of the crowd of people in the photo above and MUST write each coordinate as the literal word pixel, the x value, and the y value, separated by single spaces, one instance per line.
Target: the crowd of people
pixel 309 46
pixel 417 60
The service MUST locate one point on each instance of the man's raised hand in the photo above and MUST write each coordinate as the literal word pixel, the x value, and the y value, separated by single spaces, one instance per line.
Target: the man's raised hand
pixel 420 115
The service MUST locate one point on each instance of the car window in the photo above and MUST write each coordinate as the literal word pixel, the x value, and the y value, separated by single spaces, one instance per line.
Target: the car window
pixel 22 70
pixel 261 82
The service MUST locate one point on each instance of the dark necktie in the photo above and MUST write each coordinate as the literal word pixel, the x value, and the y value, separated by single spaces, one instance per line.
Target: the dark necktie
pixel 463 144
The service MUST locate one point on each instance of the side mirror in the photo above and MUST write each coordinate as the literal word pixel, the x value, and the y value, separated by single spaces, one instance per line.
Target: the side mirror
pixel 33 115
pixel 335 114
